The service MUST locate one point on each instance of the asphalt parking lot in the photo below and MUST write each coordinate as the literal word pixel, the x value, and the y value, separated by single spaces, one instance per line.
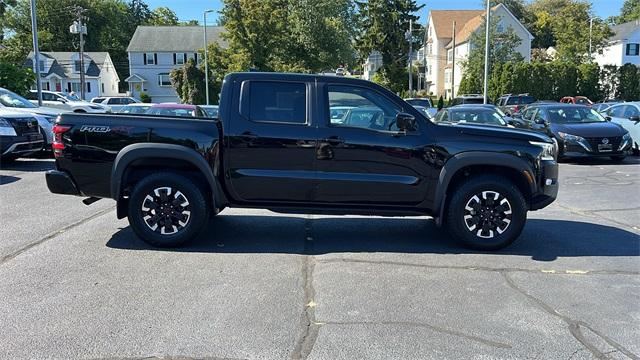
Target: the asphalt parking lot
pixel 76 283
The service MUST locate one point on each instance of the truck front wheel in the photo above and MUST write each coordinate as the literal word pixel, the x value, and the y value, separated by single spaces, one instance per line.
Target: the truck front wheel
pixel 486 213
pixel 167 210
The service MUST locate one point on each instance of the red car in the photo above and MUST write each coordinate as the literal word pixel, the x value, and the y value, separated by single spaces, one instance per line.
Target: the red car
pixel 173 109
pixel 580 100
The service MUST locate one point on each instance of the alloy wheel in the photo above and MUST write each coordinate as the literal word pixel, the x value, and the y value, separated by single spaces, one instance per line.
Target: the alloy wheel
pixel 166 210
pixel 487 214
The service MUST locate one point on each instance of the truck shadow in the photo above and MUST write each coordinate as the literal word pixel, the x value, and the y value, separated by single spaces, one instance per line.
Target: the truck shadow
pixel 542 240
pixel 29 165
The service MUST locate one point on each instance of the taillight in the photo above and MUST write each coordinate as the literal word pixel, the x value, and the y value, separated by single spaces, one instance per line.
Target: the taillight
pixel 58 144
pixel 516 109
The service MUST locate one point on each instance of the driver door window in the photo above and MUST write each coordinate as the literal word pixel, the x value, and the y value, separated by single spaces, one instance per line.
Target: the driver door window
pixel 616 111
pixel 363 108
pixel 630 111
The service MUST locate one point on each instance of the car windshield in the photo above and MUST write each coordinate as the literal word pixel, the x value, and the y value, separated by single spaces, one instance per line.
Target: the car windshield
pixel 566 115
pixel 476 116
pixel 72 97
pixel 180 112
pixel 419 102
pixel 9 99
pixel 97 100
pixel 134 109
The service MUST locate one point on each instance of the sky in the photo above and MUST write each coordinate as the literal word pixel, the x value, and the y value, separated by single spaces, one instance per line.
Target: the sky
pixel 192 9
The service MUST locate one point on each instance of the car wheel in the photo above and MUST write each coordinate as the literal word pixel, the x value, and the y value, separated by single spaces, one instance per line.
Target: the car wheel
pixel 79 111
pixel 486 213
pixel 618 158
pixel 167 210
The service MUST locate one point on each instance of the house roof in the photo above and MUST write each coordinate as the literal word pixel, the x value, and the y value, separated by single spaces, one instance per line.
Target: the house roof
pixel 443 21
pixel 63 64
pixel 174 38
pixel 622 31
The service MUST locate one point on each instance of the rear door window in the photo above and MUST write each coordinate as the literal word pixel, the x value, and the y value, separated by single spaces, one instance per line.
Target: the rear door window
pixel 631 111
pixel 279 102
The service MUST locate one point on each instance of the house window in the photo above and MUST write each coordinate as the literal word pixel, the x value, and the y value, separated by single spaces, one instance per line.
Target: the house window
pixel 633 49
pixel 76 66
pixel 41 65
pixel 88 87
pixel 164 80
pixel 150 59
pixel 429 49
pixel 74 86
pixel 102 87
pixel 447 76
pixel 179 58
pixel 449 55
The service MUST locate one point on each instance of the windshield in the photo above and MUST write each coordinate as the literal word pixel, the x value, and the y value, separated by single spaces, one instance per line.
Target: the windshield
pixel 419 102
pixel 172 112
pixel 134 109
pixel 71 97
pixel 480 116
pixel 574 115
pixel 9 99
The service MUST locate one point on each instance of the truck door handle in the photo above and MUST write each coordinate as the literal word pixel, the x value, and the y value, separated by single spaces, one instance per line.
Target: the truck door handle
pixel 333 140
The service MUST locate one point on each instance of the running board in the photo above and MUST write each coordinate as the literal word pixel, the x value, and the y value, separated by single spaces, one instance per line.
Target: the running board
pixel 90 200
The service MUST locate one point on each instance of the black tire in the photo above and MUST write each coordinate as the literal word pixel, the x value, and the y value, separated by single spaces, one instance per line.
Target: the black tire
pixel 500 225
pixel 619 158
pixel 180 222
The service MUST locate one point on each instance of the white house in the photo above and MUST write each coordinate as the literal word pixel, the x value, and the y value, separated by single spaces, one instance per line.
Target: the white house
pixel 623 47
pixel 440 76
pixel 156 50
pixel 60 71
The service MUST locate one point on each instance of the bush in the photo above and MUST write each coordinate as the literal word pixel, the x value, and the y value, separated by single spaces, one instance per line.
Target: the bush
pixel 16 78
pixel 145 98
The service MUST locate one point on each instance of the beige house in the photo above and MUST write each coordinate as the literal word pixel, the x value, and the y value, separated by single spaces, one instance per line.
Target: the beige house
pixel 439 53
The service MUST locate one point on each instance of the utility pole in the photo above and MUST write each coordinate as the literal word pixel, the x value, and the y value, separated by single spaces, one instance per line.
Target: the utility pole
pixel 486 54
pixel 206 63
pixel 409 37
pixel 453 63
pixel 36 50
pixel 590 37
pixel 79 28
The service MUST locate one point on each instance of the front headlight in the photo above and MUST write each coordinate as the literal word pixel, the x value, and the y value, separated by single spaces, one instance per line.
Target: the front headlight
pixel 626 136
pixel 569 137
pixel 6 128
pixel 548 150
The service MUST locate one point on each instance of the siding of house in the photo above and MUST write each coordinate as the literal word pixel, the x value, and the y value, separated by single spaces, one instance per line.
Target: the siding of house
pixel 151 74
pixel 616 52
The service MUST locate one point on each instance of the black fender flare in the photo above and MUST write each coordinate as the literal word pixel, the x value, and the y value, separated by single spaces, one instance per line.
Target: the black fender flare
pixel 138 151
pixel 470 158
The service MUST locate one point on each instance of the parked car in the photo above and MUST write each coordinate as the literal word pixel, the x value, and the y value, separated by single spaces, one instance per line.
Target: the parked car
pixel 173 109
pixel 603 106
pixel 508 119
pixel 468 99
pixel 579 130
pixel 46 116
pixel 470 114
pixel 337 113
pixel 135 108
pixel 428 112
pixel 114 103
pixel 275 147
pixel 627 115
pixel 210 110
pixel 424 102
pixel 578 100
pixel 19 135
pixel 65 101
pixel 511 104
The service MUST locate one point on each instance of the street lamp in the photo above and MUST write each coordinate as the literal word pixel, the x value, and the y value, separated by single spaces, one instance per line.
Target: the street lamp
pixel 206 63
pixel 591 37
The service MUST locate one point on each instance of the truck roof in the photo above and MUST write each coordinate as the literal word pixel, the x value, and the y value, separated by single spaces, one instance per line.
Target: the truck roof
pixel 293 77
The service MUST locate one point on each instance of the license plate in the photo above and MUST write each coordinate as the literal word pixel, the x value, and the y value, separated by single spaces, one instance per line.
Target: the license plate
pixel 604 147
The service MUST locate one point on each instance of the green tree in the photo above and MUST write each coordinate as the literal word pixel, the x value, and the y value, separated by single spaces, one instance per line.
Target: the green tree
pixel 502 49
pixel 15 77
pixel 189 83
pixel 589 81
pixel 4 4
pixel 571 43
pixel 382 27
pixel 630 11
pixel 163 16
pixel 629 82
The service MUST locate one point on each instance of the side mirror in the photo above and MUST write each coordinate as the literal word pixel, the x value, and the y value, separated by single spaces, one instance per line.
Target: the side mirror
pixel 406 122
pixel 541 122
pixel 608 118
pixel 635 118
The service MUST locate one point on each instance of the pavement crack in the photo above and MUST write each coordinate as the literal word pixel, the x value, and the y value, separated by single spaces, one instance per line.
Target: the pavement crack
pixel 575 326
pixel 53 235
pixel 427 326
pixel 589 214
pixel 483 268
pixel 309 325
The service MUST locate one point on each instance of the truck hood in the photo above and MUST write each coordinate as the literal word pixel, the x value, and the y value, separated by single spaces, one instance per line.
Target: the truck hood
pixel 599 129
pixel 500 132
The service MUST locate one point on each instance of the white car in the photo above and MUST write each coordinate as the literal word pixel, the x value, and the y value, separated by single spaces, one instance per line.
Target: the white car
pixel 114 103
pixel 627 115
pixel 46 116
pixel 135 108
pixel 65 101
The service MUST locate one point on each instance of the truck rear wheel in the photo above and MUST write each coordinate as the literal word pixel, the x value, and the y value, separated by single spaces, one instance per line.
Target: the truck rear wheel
pixel 167 210
pixel 486 213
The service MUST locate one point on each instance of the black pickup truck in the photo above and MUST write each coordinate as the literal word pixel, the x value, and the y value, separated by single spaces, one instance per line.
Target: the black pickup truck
pixel 278 145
